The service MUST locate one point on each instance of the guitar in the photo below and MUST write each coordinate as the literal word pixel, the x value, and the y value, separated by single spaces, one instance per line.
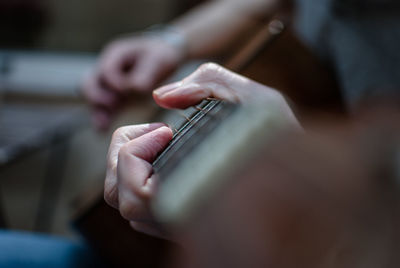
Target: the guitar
pixel 208 147
pixel 210 132
pixel 113 238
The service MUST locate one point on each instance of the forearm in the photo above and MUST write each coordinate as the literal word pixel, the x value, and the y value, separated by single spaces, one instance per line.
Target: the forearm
pixel 211 27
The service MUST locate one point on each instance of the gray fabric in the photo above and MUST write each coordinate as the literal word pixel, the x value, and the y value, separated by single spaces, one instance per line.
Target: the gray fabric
pixel 360 38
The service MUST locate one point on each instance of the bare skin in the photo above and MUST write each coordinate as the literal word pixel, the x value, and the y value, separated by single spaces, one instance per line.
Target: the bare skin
pixel 138 64
pixel 130 183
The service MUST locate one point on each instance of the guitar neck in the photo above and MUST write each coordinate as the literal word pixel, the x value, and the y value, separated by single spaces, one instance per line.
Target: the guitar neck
pixel 212 142
pixel 205 117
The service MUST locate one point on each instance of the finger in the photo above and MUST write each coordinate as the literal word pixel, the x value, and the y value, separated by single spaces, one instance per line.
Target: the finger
pixel 120 137
pixel 135 183
pixel 187 95
pixel 209 80
pixel 141 149
pixel 101 117
pixel 126 134
pixel 182 97
pixel 98 95
pixel 114 62
pixel 147 228
pixel 148 70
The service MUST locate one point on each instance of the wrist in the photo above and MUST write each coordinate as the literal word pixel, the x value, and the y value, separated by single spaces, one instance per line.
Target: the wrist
pixel 170 35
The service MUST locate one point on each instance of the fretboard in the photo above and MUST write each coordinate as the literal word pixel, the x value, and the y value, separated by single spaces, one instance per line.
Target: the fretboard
pixel 208 115
pixel 200 120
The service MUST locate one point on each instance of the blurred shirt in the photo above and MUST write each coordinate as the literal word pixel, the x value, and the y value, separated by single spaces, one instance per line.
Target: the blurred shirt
pixel 360 39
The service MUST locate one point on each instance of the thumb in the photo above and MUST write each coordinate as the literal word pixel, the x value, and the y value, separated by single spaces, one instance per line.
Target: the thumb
pixel 147 146
pixel 134 158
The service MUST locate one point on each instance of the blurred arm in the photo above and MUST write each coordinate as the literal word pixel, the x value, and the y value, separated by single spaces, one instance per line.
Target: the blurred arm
pixel 211 27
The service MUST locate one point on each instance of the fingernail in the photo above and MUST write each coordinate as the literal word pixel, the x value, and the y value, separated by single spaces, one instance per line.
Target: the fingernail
pixel 156 125
pixel 165 89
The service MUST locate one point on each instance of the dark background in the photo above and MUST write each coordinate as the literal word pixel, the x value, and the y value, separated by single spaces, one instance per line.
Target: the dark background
pixel 77 25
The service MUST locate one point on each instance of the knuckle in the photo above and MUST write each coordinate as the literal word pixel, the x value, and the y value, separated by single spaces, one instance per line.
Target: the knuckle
pixel 111 161
pixel 124 152
pixel 111 164
pixel 110 195
pixel 119 132
pixel 138 150
pixel 129 210
pixel 112 53
pixel 208 67
pixel 208 70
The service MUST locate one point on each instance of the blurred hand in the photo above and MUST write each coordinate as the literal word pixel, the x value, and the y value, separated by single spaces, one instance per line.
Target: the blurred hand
pixel 128 65
pixel 130 183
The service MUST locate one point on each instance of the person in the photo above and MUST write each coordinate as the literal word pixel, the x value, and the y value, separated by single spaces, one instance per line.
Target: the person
pixel 130 184
pixel 138 63
pixel 329 198
pixel 348 35
pixel 344 33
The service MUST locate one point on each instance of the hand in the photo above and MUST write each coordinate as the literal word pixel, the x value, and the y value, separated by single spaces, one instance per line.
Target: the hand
pixel 128 65
pixel 212 80
pixel 130 183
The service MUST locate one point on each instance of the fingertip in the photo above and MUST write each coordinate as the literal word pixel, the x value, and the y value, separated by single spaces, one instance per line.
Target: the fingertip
pixel 149 127
pixel 148 144
pixel 165 132
pixel 149 187
pixel 157 140
pixel 180 98
pixel 139 83
pixel 167 88
pixel 110 194
pixel 161 97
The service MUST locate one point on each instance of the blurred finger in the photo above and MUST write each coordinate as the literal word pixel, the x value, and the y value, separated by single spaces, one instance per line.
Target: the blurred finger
pixel 98 95
pixel 113 64
pixel 143 76
pixel 148 70
pixel 148 228
pixel 101 117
